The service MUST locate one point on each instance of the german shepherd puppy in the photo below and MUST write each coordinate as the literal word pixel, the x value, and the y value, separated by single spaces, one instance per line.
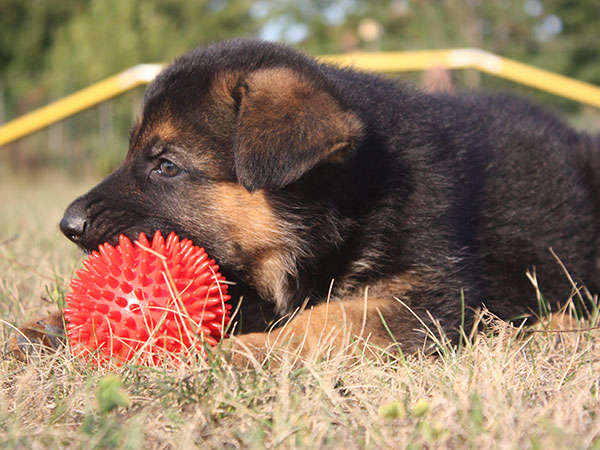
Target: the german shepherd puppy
pixel 380 208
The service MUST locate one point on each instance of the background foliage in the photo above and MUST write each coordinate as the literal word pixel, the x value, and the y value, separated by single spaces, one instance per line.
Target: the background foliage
pixel 49 48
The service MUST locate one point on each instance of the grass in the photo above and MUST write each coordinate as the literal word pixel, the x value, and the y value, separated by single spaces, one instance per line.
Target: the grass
pixel 501 390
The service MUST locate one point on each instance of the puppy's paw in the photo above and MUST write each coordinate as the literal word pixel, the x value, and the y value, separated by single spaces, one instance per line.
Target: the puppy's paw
pixel 37 336
pixel 282 346
pixel 248 350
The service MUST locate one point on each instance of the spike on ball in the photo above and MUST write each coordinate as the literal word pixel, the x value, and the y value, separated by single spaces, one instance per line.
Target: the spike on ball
pixel 144 302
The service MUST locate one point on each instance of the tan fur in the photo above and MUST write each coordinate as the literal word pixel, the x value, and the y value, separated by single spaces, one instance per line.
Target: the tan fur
pixel 558 321
pixel 250 219
pixel 399 286
pixel 280 97
pixel 329 327
pixel 251 223
pixel 165 131
pixel 222 89
pixel 337 154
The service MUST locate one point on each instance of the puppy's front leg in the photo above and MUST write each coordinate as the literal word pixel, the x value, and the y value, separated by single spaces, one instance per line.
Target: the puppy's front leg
pixel 336 327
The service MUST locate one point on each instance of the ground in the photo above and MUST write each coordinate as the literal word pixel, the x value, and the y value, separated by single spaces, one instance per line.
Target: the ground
pixel 502 389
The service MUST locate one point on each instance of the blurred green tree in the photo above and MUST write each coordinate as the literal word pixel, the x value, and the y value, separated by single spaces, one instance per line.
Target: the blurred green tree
pixel 579 38
pixel 27 32
pixel 113 35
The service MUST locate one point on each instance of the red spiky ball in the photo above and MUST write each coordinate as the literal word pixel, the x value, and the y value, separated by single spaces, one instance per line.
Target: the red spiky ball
pixel 144 302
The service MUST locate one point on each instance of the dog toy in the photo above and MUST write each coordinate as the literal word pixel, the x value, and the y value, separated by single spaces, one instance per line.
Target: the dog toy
pixel 142 302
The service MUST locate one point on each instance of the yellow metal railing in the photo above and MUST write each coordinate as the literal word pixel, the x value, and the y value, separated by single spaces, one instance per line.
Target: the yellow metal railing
pixel 378 62
pixel 472 58
pixel 77 102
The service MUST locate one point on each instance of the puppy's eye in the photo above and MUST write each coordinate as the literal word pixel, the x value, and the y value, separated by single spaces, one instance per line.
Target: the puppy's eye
pixel 168 169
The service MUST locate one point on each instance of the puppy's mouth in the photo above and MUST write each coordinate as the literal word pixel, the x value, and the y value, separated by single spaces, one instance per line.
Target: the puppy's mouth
pixel 133 234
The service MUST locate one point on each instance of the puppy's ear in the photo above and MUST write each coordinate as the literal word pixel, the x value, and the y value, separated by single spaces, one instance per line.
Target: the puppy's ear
pixel 286 126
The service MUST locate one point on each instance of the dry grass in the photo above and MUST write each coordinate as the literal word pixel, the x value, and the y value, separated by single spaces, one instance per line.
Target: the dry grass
pixel 504 390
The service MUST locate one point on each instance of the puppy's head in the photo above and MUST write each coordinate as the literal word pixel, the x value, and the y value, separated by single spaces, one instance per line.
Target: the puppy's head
pixel 225 137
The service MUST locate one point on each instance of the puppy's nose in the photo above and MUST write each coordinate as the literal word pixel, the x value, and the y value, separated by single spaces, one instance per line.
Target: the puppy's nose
pixel 73 225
